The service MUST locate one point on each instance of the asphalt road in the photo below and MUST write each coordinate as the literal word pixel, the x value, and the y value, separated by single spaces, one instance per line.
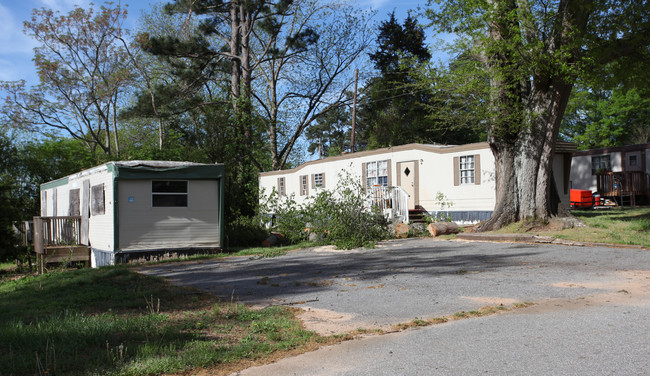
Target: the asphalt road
pixel 591 314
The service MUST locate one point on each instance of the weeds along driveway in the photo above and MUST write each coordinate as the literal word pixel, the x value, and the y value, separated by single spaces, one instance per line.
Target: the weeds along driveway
pixel 413 278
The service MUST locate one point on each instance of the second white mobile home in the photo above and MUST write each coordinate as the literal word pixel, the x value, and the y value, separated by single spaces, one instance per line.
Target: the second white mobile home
pixel 433 176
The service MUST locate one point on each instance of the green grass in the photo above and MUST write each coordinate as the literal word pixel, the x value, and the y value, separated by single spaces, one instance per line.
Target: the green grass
pixel 615 226
pixel 107 322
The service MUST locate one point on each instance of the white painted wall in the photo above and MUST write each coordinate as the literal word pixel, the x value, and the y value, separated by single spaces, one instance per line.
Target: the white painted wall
pixel 581 177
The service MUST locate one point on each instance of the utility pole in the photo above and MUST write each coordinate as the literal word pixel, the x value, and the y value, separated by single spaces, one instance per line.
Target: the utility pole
pixel 354 109
pixel 320 147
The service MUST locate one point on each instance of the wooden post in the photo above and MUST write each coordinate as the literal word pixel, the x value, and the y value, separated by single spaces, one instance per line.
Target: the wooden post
pixel 38 242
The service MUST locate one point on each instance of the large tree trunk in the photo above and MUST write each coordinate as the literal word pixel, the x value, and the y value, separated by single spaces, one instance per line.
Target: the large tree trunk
pixel 527 104
pixel 524 174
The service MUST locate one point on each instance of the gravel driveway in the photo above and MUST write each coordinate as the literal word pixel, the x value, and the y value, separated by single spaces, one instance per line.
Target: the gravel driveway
pixel 424 278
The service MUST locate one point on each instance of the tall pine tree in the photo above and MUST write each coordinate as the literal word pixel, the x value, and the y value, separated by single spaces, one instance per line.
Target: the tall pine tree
pixel 393 108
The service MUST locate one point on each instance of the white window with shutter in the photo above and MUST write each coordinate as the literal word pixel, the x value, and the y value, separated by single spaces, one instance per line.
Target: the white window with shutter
pixel 281 187
pixel 319 180
pixel 377 173
pixel 466 169
pixel 304 187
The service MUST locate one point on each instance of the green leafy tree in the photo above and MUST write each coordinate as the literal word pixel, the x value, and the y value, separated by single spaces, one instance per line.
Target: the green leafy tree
pixel 331 134
pixel 84 73
pixel 598 118
pixel 38 162
pixel 9 205
pixel 223 34
pixel 393 107
pixel 533 52
pixel 188 69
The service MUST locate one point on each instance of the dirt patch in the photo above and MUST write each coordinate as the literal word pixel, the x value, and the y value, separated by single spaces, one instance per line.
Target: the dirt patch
pixel 626 288
pixel 332 249
pixel 327 323
pixel 491 300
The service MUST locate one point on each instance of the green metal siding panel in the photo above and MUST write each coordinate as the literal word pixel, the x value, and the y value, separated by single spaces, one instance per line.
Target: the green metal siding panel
pixel 54 183
pixel 205 172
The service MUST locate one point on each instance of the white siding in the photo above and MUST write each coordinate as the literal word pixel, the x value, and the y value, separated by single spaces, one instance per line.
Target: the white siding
pixel 435 175
pixel 100 231
pixel 100 226
pixel 581 177
pixel 470 197
pixel 145 227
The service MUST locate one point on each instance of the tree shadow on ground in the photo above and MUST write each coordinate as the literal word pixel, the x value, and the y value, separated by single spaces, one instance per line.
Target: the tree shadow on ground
pixel 303 273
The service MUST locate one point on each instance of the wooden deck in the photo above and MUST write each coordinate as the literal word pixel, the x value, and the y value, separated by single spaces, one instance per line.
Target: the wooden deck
pixel 613 184
pixel 59 239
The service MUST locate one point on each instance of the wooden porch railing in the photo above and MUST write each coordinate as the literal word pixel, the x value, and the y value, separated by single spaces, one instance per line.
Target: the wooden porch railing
pixel 391 201
pixel 623 183
pixel 58 239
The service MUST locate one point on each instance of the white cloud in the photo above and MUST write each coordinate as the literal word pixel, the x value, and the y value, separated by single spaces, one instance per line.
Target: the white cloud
pixel 64 5
pixel 12 39
pixel 373 4
pixel 376 4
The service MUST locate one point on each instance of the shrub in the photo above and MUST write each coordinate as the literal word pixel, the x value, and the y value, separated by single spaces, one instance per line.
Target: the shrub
pixel 288 216
pixel 342 217
pixel 338 217
pixel 245 232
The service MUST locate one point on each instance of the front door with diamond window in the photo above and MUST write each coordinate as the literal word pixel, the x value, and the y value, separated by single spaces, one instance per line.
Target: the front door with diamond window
pixel 407 181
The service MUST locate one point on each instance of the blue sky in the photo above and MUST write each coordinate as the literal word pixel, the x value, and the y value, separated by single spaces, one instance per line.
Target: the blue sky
pixel 16 49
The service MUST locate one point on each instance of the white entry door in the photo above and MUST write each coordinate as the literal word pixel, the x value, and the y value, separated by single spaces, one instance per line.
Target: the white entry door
pixel 408 172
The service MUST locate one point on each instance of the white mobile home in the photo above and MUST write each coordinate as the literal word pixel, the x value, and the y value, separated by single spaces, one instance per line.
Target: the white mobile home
pixel 136 207
pixel 464 175
pixel 613 171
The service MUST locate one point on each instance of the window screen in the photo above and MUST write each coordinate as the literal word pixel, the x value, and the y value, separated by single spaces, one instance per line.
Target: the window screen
pixel 169 193
pixel 304 190
pixel 281 190
pixel 600 164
